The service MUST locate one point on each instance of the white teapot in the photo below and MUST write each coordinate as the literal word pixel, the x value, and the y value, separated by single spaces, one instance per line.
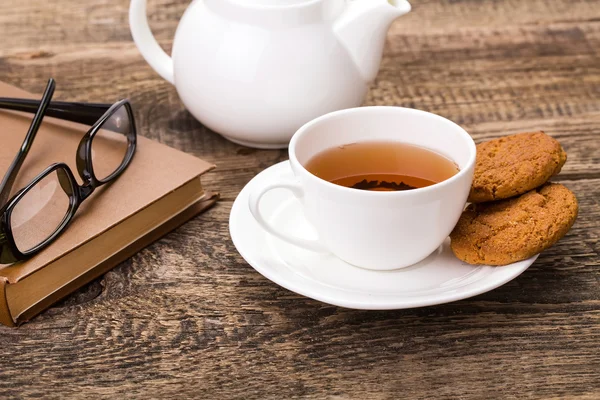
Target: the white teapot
pixel 256 70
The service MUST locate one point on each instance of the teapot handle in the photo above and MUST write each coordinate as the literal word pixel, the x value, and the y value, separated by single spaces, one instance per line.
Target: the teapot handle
pixel 146 43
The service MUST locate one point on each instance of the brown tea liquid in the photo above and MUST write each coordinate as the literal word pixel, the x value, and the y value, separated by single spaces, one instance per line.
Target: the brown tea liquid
pixel 381 166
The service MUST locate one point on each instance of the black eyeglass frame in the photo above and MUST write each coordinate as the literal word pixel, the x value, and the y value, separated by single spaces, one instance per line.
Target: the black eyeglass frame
pixel 76 112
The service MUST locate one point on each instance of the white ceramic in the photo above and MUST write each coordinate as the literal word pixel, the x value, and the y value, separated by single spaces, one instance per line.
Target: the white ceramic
pixel 440 278
pixel 256 70
pixel 376 230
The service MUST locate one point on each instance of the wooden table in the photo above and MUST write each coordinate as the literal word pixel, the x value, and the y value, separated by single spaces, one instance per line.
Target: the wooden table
pixel 187 317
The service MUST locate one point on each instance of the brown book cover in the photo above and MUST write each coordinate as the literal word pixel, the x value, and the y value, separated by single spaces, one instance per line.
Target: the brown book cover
pixel 159 191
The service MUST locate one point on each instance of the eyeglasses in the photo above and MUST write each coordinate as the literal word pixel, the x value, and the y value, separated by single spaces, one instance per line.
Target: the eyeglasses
pixel 37 214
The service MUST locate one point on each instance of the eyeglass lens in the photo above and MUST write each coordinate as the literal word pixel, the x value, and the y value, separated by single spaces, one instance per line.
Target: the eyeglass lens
pixel 109 146
pixel 41 210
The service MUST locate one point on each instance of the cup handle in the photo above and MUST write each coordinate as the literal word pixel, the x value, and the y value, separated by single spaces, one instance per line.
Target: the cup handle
pixel 296 189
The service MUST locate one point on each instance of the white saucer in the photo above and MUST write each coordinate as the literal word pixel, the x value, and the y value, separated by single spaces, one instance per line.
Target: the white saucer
pixel 440 278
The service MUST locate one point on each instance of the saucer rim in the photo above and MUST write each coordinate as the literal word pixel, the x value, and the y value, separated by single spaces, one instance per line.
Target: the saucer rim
pixel 298 288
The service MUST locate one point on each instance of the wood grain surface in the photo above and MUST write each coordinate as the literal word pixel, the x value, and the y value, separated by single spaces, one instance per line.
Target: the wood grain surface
pixel 188 318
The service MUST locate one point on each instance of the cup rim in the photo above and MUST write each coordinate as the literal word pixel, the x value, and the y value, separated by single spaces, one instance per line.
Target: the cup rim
pixel 380 194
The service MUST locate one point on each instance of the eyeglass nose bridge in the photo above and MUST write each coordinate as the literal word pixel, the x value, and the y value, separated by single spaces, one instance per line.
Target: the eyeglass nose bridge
pixel 85 191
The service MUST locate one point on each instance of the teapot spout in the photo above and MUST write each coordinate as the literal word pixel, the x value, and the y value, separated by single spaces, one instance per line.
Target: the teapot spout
pixel 362 30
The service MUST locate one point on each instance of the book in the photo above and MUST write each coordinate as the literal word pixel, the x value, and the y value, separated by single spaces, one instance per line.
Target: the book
pixel 160 190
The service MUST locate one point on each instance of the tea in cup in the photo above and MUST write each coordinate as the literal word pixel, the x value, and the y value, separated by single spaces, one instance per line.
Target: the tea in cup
pixel 382 186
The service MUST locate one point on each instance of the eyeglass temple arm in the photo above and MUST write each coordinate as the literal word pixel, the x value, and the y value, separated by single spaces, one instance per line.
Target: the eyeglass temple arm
pixel 83 113
pixel 13 169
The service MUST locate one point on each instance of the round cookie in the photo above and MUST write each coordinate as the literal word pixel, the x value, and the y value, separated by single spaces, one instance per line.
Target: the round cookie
pixel 512 230
pixel 515 164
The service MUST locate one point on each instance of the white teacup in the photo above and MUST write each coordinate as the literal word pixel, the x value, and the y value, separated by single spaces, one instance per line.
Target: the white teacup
pixel 376 230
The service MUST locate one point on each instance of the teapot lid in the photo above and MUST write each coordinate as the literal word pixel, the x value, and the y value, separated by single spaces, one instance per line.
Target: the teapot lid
pixel 278 12
pixel 272 3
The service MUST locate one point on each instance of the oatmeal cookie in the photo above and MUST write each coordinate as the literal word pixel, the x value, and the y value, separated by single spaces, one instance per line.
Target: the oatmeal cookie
pixel 515 164
pixel 511 230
